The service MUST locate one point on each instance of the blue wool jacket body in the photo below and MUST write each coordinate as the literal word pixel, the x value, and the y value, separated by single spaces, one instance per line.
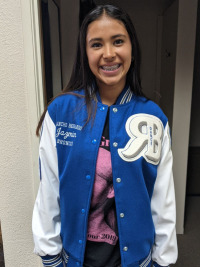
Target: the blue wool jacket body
pixel 140 155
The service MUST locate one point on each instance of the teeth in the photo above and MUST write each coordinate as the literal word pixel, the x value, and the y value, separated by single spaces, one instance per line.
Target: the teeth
pixel 110 68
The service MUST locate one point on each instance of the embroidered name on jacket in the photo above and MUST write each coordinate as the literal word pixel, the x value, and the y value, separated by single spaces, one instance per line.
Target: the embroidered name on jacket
pixel 65 130
pixel 146 132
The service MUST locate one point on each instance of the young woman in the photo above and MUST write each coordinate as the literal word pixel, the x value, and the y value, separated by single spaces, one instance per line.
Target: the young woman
pixel 106 195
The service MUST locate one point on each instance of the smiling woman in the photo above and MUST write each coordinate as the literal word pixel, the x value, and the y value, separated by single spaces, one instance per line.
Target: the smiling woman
pixel 106 195
pixel 109 56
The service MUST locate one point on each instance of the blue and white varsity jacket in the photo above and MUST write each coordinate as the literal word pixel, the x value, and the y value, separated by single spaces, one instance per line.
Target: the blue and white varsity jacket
pixel 141 158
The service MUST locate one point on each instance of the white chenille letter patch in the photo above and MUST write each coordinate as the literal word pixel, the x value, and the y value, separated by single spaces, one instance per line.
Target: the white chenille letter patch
pixel 146 132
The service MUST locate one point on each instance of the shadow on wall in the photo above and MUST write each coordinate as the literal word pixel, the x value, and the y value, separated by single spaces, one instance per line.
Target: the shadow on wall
pixel 1 250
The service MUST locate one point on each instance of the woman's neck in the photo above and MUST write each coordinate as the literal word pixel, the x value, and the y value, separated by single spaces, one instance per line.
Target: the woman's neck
pixel 109 94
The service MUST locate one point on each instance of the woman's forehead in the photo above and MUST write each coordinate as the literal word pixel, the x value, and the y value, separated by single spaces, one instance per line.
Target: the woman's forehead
pixel 105 25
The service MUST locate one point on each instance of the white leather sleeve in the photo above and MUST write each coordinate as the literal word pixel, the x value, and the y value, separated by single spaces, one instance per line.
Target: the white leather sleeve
pixel 46 214
pixel 164 208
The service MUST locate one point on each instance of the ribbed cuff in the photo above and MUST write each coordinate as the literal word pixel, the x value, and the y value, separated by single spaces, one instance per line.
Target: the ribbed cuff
pixel 52 261
pixel 157 265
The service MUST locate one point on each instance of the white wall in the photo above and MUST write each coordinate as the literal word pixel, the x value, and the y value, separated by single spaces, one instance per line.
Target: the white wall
pixel 17 160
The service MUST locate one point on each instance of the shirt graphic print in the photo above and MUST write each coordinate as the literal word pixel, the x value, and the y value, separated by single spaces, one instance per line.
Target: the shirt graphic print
pixel 102 222
pixel 102 248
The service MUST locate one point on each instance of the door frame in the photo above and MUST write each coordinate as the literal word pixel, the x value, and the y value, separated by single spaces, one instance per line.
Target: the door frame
pixel 187 19
pixel 33 56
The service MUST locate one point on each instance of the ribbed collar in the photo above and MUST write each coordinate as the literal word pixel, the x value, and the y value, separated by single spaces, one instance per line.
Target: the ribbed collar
pixel 124 97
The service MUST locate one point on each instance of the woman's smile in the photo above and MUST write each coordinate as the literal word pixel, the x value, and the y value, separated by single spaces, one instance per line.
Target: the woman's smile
pixel 109 51
pixel 110 69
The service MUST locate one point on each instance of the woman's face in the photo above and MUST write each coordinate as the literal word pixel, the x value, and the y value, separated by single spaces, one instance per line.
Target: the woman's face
pixel 109 51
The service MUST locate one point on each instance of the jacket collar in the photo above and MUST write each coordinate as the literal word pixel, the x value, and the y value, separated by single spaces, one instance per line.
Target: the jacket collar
pixel 125 96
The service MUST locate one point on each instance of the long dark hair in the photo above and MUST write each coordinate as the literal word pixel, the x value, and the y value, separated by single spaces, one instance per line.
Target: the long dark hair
pixel 82 77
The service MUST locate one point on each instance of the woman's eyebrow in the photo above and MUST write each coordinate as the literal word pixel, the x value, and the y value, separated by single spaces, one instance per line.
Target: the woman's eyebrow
pixel 113 37
pixel 118 35
pixel 95 39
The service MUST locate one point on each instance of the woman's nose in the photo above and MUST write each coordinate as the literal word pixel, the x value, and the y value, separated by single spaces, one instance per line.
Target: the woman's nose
pixel 109 52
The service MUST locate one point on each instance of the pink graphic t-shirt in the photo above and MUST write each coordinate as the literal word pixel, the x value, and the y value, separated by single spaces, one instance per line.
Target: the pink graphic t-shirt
pixel 102 248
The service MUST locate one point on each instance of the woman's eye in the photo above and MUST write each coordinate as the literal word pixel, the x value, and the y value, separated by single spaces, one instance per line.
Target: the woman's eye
pixel 119 42
pixel 96 45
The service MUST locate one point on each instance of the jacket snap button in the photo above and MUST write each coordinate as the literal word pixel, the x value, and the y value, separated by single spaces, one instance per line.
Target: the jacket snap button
pixel 121 215
pixel 88 177
pixel 83 210
pixel 115 110
pixel 118 180
pixel 80 241
pixel 102 108
pixel 94 141
pixel 115 144
pixel 125 248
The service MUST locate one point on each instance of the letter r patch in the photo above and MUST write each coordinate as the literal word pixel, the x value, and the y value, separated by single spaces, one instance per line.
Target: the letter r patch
pixel 146 133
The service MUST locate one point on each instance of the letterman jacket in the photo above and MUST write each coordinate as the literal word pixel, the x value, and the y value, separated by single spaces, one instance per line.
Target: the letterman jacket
pixel 142 178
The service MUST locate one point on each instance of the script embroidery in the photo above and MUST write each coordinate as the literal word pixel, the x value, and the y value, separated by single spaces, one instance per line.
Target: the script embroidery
pixel 66 130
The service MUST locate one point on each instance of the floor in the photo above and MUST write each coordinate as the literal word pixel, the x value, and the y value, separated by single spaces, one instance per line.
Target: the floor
pixel 188 244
